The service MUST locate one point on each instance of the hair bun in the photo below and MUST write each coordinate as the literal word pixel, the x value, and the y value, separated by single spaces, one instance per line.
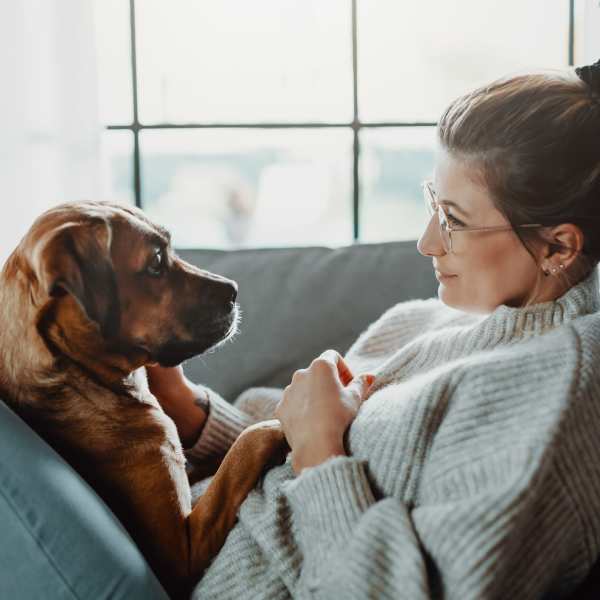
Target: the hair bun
pixel 591 75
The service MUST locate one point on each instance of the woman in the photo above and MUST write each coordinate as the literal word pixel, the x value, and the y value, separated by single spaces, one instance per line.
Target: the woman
pixel 473 468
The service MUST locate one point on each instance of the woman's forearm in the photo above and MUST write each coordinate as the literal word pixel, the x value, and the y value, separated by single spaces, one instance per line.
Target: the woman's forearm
pixel 179 399
pixel 188 417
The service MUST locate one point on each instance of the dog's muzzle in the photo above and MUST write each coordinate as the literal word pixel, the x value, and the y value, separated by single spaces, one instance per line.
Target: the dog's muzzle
pixel 176 351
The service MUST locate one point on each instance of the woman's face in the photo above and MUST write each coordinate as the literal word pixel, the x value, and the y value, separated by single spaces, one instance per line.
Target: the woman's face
pixel 485 268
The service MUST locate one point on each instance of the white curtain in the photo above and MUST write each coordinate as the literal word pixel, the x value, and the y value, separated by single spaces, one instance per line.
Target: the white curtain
pixel 49 126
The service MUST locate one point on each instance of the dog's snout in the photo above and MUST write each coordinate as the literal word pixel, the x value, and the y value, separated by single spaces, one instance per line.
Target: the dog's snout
pixel 224 292
pixel 233 292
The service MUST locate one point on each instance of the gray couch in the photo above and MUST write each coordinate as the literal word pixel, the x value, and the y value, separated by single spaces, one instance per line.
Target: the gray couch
pixel 59 540
pixel 297 302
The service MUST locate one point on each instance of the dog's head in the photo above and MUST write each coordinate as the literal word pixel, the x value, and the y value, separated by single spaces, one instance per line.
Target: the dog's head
pixel 109 287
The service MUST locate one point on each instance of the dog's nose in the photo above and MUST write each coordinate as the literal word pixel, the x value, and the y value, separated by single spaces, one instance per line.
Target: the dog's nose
pixel 234 291
pixel 225 291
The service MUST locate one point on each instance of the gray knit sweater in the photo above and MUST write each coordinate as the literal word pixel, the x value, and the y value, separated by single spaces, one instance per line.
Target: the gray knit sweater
pixel 473 467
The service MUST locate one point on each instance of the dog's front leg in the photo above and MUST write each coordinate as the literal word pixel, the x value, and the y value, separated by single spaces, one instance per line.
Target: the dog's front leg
pixel 197 471
pixel 155 498
pixel 215 513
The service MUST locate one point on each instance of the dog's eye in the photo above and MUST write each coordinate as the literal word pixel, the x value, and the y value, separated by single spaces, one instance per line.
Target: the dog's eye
pixel 156 265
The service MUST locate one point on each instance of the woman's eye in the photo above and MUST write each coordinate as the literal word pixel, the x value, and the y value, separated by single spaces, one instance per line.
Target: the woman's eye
pixel 156 264
pixel 454 221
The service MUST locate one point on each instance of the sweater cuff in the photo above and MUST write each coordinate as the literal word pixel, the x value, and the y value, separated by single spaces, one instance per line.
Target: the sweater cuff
pixel 223 425
pixel 328 500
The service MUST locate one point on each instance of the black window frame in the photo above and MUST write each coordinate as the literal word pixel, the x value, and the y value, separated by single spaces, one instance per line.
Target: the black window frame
pixel 356 124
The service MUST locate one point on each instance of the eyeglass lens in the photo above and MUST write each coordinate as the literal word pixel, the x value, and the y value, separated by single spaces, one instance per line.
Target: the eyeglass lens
pixel 432 208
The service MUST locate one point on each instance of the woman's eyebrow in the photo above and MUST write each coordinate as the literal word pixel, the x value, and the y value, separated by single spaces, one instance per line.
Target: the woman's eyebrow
pixel 456 206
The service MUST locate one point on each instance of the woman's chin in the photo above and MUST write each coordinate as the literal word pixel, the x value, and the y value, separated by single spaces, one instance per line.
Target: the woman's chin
pixel 452 299
pixel 445 294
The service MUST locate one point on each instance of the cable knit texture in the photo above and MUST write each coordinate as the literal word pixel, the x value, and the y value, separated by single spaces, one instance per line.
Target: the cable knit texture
pixel 473 468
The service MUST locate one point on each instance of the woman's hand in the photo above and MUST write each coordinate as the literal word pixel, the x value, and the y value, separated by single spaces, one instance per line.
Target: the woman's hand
pixel 177 396
pixel 317 408
pixel 166 383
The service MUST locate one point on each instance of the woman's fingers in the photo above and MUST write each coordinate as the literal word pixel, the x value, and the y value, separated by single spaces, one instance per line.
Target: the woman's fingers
pixel 360 386
pixel 345 373
pixel 343 369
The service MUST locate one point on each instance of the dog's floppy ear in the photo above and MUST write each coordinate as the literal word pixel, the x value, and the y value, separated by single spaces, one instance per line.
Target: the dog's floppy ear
pixel 75 259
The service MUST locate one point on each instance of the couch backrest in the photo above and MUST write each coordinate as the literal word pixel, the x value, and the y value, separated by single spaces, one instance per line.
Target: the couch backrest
pixel 297 302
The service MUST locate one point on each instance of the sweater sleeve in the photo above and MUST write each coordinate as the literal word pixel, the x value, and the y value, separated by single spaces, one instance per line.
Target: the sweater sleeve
pixel 511 540
pixel 226 421
pixel 223 425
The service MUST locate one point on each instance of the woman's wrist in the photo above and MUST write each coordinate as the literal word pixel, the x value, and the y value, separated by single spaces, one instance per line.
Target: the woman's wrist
pixel 191 424
pixel 183 401
pixel 188 407
pixel 313 454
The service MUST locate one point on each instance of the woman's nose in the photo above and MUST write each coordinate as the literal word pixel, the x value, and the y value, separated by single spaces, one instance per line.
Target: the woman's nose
pixel 430 242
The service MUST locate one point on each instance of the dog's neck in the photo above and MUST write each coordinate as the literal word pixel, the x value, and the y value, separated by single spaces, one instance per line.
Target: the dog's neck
pixel 70 335
pixel 24 354
pixel 35 351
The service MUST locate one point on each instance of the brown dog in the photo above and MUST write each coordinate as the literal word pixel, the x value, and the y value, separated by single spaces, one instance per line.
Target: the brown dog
pixel 92 293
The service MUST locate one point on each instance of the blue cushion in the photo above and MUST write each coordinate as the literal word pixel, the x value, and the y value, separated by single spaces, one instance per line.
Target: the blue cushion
pixel 57 537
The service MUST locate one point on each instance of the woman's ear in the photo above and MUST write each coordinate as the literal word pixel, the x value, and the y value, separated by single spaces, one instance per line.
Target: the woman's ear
pixel 564 244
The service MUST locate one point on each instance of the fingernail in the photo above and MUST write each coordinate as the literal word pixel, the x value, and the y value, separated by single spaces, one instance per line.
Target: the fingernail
pixel 370 379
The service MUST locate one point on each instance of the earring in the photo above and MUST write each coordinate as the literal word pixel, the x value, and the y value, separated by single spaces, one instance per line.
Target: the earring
pixel 554 270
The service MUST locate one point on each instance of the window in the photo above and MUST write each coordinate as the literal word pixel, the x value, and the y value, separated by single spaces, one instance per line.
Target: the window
pixel 299 122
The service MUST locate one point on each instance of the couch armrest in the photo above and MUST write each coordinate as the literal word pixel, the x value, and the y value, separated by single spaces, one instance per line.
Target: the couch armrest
pixel 59 539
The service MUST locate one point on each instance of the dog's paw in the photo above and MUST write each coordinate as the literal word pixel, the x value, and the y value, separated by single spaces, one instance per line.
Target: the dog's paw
pixel 266 442
pixel 268 425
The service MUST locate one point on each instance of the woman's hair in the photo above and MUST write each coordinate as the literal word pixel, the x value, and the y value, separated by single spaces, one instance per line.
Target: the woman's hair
pixel 535 142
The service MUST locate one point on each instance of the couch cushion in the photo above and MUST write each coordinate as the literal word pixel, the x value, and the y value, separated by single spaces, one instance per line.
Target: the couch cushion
pixel 297 302
pixel 58 539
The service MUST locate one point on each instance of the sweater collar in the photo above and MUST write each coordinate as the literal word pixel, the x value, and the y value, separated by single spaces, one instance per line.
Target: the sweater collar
pixel 507 322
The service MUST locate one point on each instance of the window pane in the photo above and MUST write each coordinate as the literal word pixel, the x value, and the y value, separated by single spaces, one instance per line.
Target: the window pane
pixel 117 166
pixel 393 164
pixel 240 61
pixel 232 188
pixel 113 61
pixel 415 57
pixel 587 31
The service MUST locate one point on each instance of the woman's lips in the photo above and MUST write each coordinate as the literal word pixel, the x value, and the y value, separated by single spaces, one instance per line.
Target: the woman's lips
pixel 443 276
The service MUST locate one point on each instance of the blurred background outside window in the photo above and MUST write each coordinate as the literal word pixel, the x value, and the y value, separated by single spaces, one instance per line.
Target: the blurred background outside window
pixel 263 123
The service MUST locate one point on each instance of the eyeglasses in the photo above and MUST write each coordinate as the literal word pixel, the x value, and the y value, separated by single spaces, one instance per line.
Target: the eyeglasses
pixel 446 230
